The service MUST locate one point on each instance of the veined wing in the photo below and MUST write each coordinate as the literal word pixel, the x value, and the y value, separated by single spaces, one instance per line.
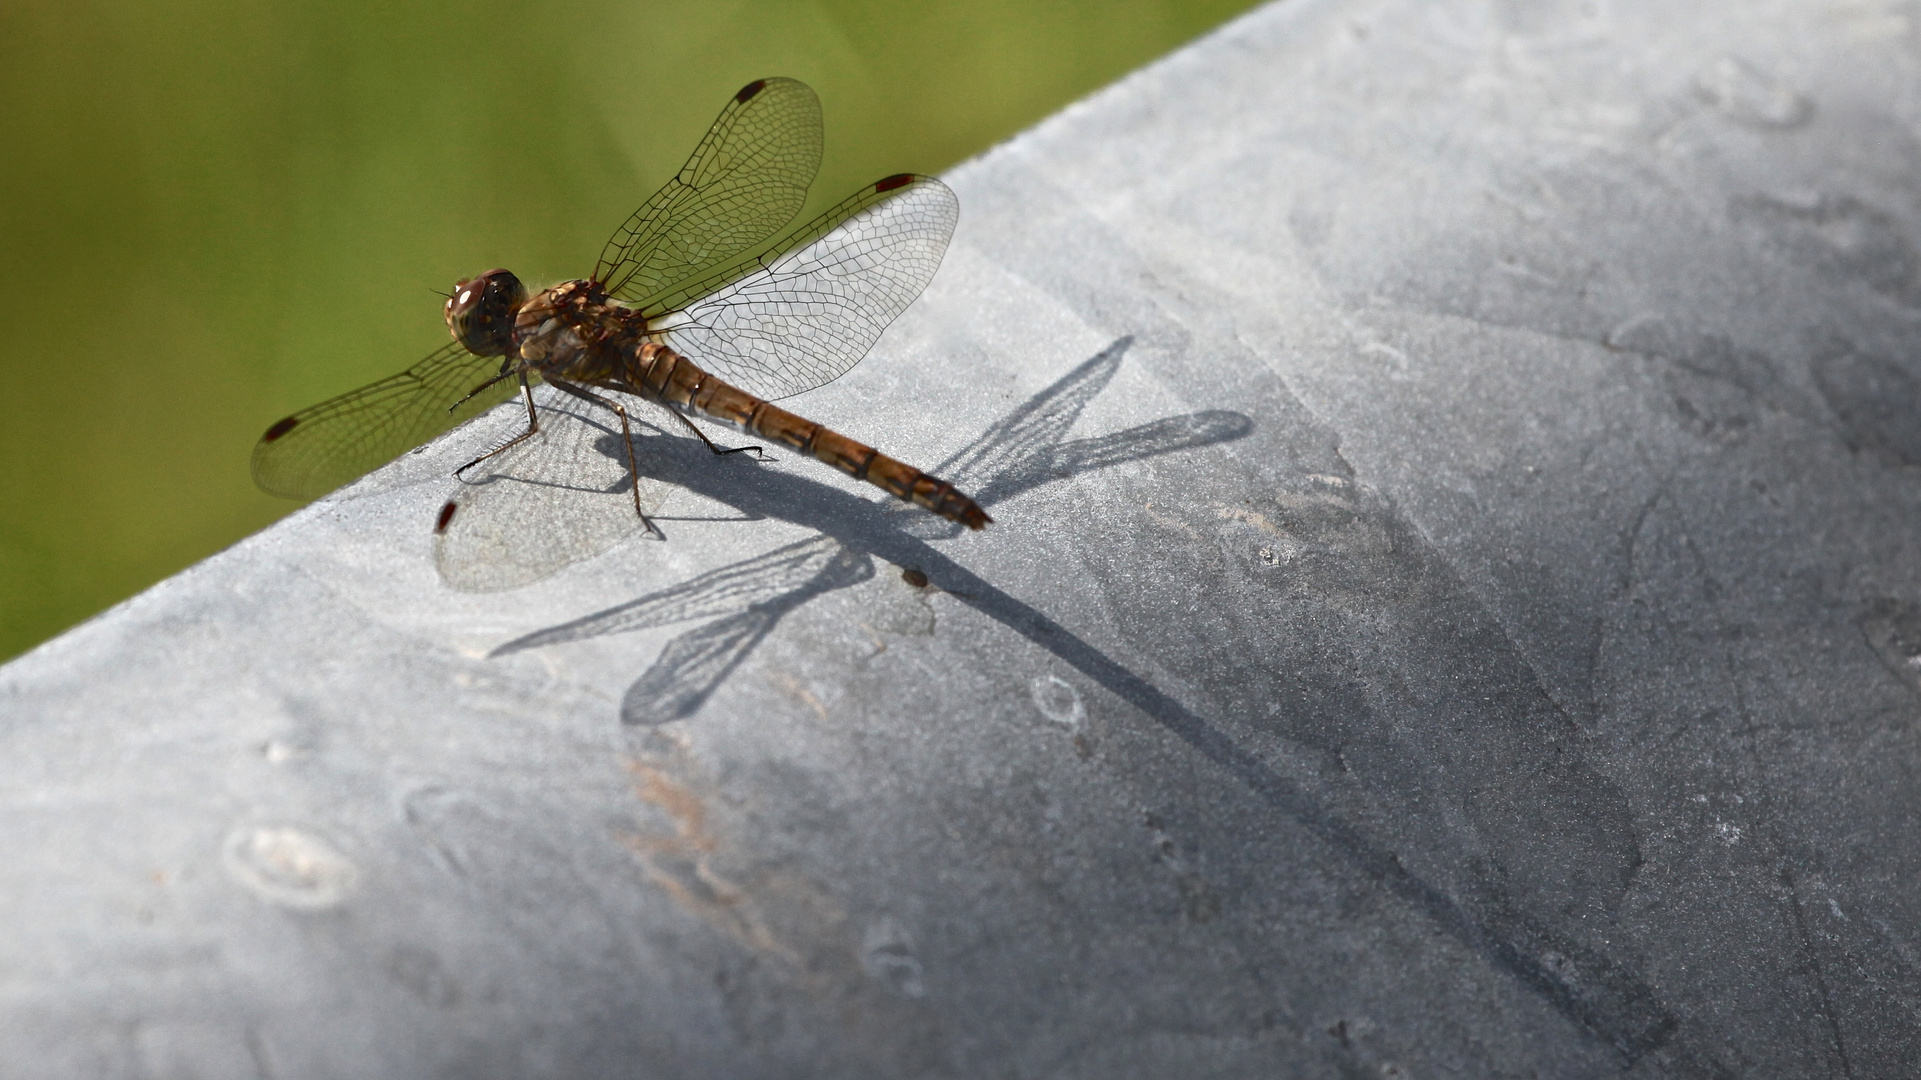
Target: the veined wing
pixel 745 181
pixel 324 446
pixel 545 503
pixel 788 322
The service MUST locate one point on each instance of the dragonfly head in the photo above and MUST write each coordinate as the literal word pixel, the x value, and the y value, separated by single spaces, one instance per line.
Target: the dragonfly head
pixel 481 312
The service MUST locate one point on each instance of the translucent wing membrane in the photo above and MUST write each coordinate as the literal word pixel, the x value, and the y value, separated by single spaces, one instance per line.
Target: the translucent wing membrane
pixel 785 323
pixel 550 501
pixel 745 182
pixel 322 447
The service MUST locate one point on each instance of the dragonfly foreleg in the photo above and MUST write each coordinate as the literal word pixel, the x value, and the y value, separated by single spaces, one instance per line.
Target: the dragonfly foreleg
pixel 533 423
pixel 626 438
pixel 759 453
pixel 506 371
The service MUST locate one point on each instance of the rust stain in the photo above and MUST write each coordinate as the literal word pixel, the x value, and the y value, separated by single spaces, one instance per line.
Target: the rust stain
pixel 880 646
pixel 688 812
pixel 1172 523
pixel 798 691
pixel 804 948
pixel 682 864
pixel 1250 517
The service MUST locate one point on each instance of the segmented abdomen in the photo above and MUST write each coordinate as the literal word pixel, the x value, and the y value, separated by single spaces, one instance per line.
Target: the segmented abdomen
pixel 679 381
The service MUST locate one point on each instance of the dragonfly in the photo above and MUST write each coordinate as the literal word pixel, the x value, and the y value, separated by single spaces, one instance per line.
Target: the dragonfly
pixel 680 313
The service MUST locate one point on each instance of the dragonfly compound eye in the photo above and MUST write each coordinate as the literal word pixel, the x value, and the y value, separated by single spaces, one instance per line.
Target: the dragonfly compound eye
pixel 481 312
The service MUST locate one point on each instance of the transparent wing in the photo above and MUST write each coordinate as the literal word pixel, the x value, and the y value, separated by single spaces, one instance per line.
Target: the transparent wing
pixel 784 323
pixel 746 180
pixel 546 503
pixel 324 446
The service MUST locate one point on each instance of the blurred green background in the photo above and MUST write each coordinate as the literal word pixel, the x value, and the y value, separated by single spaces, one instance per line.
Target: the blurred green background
pixel 213 213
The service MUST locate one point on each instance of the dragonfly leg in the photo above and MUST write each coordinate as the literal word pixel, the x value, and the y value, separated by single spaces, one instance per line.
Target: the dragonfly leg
pixel 506 372
pixel 533 425
pixel 626 438
pixel 759 453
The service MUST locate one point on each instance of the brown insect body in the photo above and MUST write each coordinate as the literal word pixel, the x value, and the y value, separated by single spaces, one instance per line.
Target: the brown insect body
pixel 575 333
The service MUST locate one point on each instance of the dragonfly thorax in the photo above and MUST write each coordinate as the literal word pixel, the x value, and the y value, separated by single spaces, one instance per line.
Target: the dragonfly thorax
pixel 575 330
pixel 480 313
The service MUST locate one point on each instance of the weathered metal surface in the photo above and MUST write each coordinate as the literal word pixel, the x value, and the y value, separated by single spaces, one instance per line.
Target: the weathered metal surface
pixel 1452 610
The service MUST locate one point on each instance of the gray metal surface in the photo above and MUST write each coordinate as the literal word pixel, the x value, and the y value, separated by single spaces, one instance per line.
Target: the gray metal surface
pixel 1453 611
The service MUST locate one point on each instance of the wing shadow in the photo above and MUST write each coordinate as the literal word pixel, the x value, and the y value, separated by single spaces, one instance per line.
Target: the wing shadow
pixel 745 600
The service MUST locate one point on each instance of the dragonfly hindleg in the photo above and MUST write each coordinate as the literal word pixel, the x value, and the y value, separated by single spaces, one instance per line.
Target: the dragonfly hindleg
pixel 626 439
pixel 759 453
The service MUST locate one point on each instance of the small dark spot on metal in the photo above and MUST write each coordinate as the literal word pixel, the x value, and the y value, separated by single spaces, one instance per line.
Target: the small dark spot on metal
pixel 446 516
pixel 751 89
pixel 895 181
pixel 280 429
pixel 915 578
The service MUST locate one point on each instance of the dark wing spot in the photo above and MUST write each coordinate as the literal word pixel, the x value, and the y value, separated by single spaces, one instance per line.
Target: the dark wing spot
pixel 750 89
pixel 895 181
pixel 280 429
pixel 446 516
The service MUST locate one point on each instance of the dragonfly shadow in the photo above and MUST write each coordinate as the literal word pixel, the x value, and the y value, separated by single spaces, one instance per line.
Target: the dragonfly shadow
pixel 1023 451
pixel 742 603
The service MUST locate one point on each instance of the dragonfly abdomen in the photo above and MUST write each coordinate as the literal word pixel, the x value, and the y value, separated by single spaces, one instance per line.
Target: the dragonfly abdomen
pixel 680 382
pixel 862 462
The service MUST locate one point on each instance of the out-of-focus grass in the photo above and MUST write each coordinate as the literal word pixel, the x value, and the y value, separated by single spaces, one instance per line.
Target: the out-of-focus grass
pixel 213 212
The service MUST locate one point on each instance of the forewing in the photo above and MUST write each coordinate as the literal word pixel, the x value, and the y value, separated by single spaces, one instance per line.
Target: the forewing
pixel 746 180
pixel 781 324
pixel 324 446
pixel 552 500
